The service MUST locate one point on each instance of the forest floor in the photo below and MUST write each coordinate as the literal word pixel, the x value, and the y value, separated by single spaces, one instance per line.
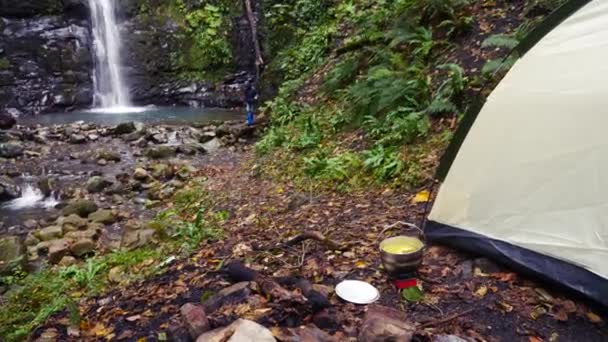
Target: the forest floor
pixel 463 295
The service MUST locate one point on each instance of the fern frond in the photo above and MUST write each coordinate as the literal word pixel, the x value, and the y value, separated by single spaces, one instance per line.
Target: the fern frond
pixel 500 41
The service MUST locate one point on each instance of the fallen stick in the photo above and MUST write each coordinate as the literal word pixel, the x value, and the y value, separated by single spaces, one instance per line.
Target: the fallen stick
pixel 445 320
pixel 313 236
pixel 239 272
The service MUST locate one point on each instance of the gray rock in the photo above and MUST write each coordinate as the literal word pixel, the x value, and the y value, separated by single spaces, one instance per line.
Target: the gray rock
pixel 195 319
pixel 12 253
pixel 72 222
pixel 80 207
pixel 46 186
pixel 212 145
pixel 50 233
pixel 109 156
pixel 162 171
pixel 82 247
pixel 385 324
pixel 124 128
pixel 140 174
pixel 8 189
pixel 137 238
pixel 57 250
pixel 31 240
pixel 241 330
pixel 160 152
pixel 77 139
pixel 97 184
pixel 7 121
pixel 67 260
pixel 11 150
pixel 102 216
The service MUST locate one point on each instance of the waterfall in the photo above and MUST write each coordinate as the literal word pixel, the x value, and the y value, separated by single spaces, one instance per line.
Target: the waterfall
pixel 110 89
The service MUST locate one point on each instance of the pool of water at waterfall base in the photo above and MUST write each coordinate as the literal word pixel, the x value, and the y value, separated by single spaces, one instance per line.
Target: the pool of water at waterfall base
pixel 149 115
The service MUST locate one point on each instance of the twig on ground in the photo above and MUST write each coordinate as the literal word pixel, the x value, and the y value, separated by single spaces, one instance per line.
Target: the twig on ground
pixel 445 320
pixel 328 243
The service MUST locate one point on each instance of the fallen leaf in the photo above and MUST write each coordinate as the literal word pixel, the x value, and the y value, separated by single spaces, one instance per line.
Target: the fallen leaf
pixel 537 312
pixel 504 306
pixel 481 291
pixel 593 317
pixel 535 339
pixel 360 264
pixel 479 273
pixel 101 330
pixel 421 197
pixel 412 294
pixel 133 318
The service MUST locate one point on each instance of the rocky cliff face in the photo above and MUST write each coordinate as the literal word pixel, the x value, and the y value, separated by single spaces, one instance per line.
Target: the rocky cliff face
pixel 46 62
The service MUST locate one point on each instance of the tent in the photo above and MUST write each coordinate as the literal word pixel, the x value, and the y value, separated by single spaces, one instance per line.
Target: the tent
pixel 525 180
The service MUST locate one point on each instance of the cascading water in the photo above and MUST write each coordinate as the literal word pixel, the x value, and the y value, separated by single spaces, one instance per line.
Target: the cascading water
pixel 110 89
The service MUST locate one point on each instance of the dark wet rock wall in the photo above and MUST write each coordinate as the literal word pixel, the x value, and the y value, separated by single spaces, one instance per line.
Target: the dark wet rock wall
pixel 46 62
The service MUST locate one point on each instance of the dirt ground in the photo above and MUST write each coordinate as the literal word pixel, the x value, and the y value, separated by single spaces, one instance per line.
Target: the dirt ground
pixel 463 295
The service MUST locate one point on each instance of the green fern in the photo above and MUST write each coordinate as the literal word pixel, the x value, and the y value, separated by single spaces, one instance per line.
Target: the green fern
pixel 505 41
pixel 499 65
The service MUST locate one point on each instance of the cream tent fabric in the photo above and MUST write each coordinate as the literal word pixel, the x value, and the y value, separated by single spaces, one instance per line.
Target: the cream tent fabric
pixel 533 170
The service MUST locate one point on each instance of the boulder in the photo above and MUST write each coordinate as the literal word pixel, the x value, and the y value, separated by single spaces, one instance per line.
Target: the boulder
pixel 57 250
pixel 46 186
pixel 91 233
pixel 160 152
pixel 104 216
pixel 124 128
pixel 67 260
pixel 12 253
pixel 382 324
pixel 97 184
pixel 140 174
pixel 77 139
pixel 195 319
pixel 11 150
pixel 136 238
pixel 82 247
pixel 241 330
pixel 162 171
pixel 50 233
pixel 7 121
pixel 80 207
pixel 109 156
pixel 31 240
pixel 72 222
pixel 9 190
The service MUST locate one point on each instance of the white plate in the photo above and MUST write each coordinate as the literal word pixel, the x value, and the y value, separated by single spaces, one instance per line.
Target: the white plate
pixel 358 292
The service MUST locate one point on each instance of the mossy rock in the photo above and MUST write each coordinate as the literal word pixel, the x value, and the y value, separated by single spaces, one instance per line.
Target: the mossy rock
pixel 81 208
pixel 160 152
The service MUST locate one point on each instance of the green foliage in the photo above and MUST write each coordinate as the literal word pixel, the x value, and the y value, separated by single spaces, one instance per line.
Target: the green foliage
pixel 506 41
pixel 37 296
pixel 384 163
pixel 412 294
pixel 499 65
pixel 210 30
pixel 337 168
pixel 203 227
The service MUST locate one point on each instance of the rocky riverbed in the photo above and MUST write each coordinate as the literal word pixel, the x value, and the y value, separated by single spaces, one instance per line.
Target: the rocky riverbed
pixel 67 191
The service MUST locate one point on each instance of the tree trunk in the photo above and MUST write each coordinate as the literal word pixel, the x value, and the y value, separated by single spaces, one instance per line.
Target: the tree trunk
pixel 259 61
